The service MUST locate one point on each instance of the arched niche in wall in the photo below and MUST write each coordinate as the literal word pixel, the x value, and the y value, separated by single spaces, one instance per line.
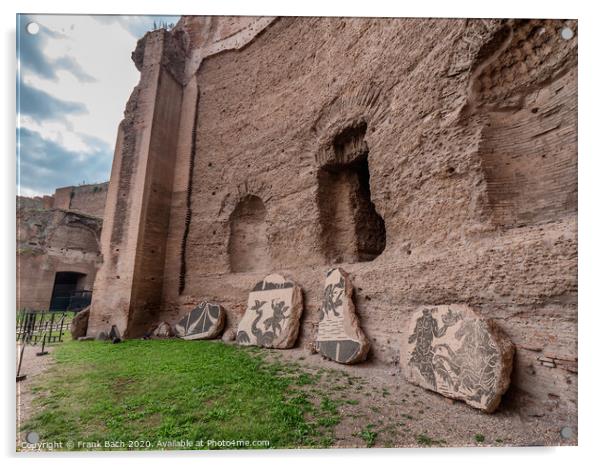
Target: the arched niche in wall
pixel 248 247
pixel 526 95
pixel 352 229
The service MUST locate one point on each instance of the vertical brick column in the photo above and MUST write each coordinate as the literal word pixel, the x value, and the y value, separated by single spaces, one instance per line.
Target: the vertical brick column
pixel 127 291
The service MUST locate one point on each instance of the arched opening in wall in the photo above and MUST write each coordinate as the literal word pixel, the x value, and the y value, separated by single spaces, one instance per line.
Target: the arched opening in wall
pixel 248 246
pixel 352 229
pixel 68 289
pixel 528 146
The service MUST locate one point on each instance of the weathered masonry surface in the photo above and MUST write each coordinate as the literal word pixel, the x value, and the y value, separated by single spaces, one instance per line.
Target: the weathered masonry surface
pixel 435 160
pixel 58 234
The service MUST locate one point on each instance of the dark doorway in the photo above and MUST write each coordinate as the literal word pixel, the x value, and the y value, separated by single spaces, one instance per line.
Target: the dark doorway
pixel 65 285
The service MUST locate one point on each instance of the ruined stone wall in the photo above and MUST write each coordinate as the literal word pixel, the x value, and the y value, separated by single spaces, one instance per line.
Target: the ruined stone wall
pixel 137 215
pixel 470 143
pixel 88 199
pixel 434 160
pixel 35 203
pixel 51 241
pixel 151 169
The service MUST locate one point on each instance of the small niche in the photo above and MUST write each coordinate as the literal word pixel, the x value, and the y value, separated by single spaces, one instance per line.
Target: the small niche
pixel 248 245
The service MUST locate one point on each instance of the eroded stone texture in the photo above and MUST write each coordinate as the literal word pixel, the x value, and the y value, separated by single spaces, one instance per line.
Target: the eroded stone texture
pixel 79 324
pixel 340 337
pixel 58 233
pixel 205 322
pixel 273 313
pixel 457 353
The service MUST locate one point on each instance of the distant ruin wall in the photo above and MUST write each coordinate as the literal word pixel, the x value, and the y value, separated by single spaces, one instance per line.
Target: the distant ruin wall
pixel 51 240
pixel 88 199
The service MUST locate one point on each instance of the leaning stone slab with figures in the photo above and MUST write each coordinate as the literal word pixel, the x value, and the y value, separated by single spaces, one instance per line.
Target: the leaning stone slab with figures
pixel 273 313
pixel 340 336
pixel 457 353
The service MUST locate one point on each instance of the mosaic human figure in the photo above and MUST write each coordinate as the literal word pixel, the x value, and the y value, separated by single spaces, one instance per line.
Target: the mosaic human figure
pixel 426 329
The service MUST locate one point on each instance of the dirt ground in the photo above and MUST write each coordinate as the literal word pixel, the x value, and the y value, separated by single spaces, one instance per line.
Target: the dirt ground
pixel 379 408
pixel 32 367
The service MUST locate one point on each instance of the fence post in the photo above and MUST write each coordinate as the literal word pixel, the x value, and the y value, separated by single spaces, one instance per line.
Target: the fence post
pixel 61 330
pixel 19 376
pixel 42 352
pixel 51 326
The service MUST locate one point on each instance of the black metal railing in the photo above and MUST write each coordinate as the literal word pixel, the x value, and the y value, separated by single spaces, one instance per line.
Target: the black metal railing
pixel 42 326
pixel 79 300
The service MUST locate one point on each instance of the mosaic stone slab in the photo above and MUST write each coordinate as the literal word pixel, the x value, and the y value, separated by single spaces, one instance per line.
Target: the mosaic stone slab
pixel 453 351
pixel 273 314
pixel 340 336
pixel 205 322
pixel 163 330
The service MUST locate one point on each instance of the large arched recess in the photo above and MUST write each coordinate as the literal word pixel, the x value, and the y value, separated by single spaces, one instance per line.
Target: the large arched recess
pixel 352 229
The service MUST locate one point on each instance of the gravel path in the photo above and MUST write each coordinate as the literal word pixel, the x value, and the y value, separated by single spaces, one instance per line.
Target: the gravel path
pixel 379 408
pixel 32 366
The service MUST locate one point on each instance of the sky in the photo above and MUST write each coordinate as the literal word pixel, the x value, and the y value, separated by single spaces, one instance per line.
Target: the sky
pixel 74 78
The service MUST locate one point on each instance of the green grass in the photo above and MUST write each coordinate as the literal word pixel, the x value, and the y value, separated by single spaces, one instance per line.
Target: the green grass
pixel 162 390
pixel 369 435
pixel 427 441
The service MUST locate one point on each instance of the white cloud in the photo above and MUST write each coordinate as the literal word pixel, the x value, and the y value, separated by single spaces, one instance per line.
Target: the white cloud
pixel 103 51
pixel 76 75
pixel 56 131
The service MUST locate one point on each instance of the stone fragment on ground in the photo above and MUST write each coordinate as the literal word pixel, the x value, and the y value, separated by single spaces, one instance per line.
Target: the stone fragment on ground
pixel 114 334
pixel 273 314
pixel 340 336
pixel 229 335
pixel 452 350
pixel 205 322
pixel 162 330
pixel 79 324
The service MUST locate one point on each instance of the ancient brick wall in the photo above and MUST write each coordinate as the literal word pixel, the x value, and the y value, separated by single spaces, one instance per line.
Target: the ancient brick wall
pixel 88 199
pixel 477 189
pixel 128 287
pixel 51 241
pixel 434 160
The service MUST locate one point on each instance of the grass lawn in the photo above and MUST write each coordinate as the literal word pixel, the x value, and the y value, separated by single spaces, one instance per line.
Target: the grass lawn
pixel 151 391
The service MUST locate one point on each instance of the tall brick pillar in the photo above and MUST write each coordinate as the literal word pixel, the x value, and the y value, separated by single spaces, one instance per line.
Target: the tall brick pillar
pixel 127 291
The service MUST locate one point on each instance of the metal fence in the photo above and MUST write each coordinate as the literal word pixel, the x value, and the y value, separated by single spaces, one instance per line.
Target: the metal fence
pixel 75 301
pixel 46 327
